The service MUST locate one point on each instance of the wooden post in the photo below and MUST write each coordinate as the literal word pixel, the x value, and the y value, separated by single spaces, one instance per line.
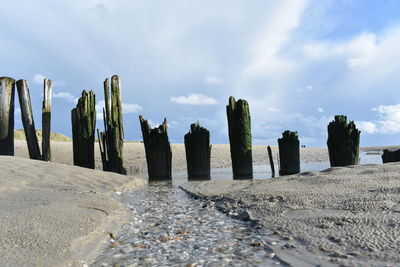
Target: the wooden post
pixel 112 139
pixel 46 120
pixel 238 114
pixel 158 150
pixel 198 153
pixel 390 155
pixel 7 95
pixel 289 153
pixel 83 127
pixel 27 120
pixel 343 142
pixel 271 162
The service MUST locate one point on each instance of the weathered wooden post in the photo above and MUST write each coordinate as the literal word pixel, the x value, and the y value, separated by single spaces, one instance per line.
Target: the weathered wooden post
pixel 271 162
pixel 239 125
pixel 7 95
pixel 111 141
pixel 46 120
pixel 83 119
pixel 198 152
pixel 27 120
pixel 289 153
pixel 343 142
pixel 158 150
pixel 390 155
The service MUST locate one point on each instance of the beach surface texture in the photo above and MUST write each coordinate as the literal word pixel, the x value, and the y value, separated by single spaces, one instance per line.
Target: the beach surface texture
pixel 347 216
pixel 54 214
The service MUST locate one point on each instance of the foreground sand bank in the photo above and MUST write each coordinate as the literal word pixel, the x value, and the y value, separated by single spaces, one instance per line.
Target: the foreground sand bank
pixel 344 215
pixel 54 214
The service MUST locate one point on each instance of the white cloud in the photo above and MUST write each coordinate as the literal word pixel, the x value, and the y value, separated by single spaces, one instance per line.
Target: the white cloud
pixel 213 80
pixel 366 126
pixel 194 99
pixel 389 118
pixel 39 78
pixel 65 96
pixel 272 109
pixel 320 110
pixel 130 108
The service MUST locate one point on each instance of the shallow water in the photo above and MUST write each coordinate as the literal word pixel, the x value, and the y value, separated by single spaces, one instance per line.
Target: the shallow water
pixel 169 228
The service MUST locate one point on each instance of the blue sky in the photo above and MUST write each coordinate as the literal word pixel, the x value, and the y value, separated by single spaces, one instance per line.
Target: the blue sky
pixel 297 62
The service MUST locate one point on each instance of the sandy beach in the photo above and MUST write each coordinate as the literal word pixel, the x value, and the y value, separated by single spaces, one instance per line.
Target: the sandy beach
pixel 55 214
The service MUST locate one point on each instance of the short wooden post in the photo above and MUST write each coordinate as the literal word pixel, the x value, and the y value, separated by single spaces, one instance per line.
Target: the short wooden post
pixel 46 120
pixel 239 125
pixel 198 153
pixel 112 139
pixel 7 95
pixel 271 162
pixel 27 120
pixel 289 153
pixel 83 127
pixel 343 142
pixel 158 150
pixel 390 155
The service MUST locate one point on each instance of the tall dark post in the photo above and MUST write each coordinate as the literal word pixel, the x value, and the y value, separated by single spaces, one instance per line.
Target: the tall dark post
pixel 83 119
pixel 343 142
pixel 239 125
pixel 198 152
pixel 27 120
pixel 158 150
pixel 7 95
pixel 111 141
pixel 289 153
pixel 46 120
pixel 271 162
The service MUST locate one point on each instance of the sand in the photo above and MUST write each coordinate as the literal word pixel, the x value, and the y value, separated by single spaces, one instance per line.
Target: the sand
pixel 344 215
pixel 54 214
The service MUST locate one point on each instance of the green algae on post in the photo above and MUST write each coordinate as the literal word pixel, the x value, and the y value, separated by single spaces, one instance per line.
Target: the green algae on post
pixel 343 142
pixel 83 119
pixel 111 141
pixel 239 125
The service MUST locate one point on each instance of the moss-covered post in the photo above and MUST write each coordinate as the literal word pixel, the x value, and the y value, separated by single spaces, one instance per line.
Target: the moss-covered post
pixel 158 150
pixel 390 155
pixel 27 120
pixel 7 95
pixel 271 162
pixel 83 119
pixel 289 153
pixel 112 139
pixel 46 120
pixel 239 125
pixel 343 142
pixel 198 152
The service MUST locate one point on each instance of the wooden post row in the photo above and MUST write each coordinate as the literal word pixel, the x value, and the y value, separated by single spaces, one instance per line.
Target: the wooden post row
pixel 7 95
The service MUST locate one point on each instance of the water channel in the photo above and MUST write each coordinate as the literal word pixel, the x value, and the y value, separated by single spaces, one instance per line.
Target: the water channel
pixel 168 228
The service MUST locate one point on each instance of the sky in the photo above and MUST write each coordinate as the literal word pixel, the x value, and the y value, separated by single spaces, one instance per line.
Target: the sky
pixel 297 62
